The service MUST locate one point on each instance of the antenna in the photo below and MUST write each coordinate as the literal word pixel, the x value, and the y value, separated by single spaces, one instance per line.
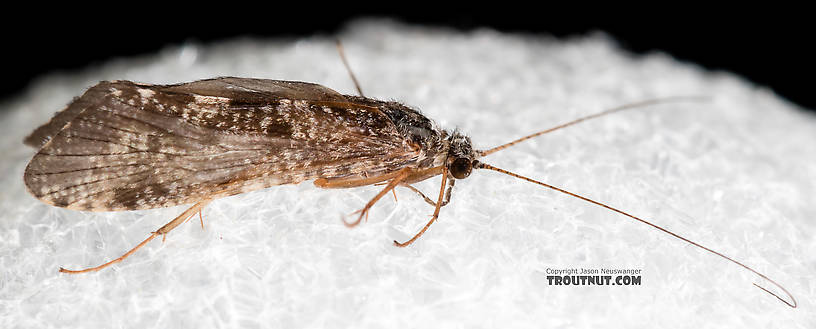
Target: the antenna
pixel 348 68
pixel 482 165
pixel 593 116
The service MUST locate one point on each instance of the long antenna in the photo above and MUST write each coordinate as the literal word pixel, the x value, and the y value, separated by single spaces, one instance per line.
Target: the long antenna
pixel 592 116
pixel 482 165
pixel 348 67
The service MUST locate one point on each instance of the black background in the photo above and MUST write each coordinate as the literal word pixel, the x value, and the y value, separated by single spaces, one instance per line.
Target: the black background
pixel 771 49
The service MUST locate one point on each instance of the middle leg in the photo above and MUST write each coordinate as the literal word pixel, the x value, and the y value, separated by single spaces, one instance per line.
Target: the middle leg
pixel 428 200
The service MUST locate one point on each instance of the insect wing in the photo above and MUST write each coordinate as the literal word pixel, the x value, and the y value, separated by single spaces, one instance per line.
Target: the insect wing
pixel 124 146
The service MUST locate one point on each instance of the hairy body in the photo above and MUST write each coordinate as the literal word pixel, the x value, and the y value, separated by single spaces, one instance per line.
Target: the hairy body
pixel 124 146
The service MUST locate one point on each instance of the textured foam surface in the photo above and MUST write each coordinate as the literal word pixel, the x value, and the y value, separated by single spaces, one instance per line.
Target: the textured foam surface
pixel 736 174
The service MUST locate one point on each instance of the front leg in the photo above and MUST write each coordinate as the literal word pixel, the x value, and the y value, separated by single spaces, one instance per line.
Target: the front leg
pixel 435 214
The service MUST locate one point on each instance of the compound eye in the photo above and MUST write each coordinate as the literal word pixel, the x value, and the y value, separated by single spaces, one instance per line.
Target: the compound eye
pixel 461 168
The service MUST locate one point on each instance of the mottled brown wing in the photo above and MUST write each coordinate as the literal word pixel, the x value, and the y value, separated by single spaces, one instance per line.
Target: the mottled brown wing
pixel 123 145
pixel 257 91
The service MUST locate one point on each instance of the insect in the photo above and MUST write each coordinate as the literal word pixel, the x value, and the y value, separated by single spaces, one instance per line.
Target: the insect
pixel 128 146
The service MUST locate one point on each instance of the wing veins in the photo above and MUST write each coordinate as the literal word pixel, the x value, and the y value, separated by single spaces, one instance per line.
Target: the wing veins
pixel 90 196
pixel 63 188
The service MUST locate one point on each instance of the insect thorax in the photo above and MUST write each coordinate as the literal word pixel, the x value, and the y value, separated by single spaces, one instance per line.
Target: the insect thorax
pixel 438 146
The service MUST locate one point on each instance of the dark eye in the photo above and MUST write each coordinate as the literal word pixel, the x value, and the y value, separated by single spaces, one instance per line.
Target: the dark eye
pixel 460 168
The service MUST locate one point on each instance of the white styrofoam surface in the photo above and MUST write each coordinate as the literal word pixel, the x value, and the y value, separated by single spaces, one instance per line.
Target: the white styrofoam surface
pixel 736 174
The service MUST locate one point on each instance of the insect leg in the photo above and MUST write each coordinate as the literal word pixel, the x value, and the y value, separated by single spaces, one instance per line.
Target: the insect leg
pixel 161 231
pixel 428 200
pixel 401 175
pixel 435 214
pixel 200 218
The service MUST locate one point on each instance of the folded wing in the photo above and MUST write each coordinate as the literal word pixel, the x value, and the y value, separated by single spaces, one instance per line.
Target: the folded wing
pixel 125 146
